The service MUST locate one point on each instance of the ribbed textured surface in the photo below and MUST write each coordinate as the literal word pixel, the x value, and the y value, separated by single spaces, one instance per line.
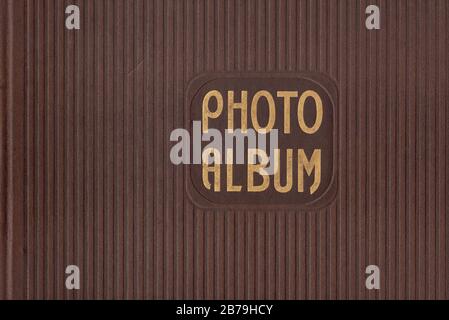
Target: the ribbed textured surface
pixel 99 190
pixel 3 165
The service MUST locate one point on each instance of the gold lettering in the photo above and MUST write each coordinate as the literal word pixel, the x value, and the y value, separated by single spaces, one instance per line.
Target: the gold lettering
pixel 313 165
pixel 319 112
pixel 207 113
pixel 242 105
pixel 257 168
pixel 271 111
pixel 277 174
pixel 214 168
pixel 229 172
pixel 287 95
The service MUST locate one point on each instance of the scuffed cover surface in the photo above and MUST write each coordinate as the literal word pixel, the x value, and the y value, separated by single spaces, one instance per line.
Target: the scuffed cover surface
pixel 93 184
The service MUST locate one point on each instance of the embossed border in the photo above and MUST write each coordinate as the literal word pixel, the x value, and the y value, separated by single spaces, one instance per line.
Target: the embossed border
pixel 320 79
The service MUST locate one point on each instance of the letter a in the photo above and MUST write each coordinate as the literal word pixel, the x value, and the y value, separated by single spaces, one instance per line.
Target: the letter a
pixel 373 280
pixel 73 20
pixel 73 280
pixel 373 20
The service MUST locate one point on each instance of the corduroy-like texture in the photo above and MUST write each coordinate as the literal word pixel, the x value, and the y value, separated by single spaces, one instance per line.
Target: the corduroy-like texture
pixel 86 177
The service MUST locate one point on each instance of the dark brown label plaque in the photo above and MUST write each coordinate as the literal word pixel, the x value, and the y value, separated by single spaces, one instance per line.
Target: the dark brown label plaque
pixel 299 107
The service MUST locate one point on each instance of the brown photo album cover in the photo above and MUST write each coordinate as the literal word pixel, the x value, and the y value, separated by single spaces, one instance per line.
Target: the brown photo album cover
pixel 224 150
